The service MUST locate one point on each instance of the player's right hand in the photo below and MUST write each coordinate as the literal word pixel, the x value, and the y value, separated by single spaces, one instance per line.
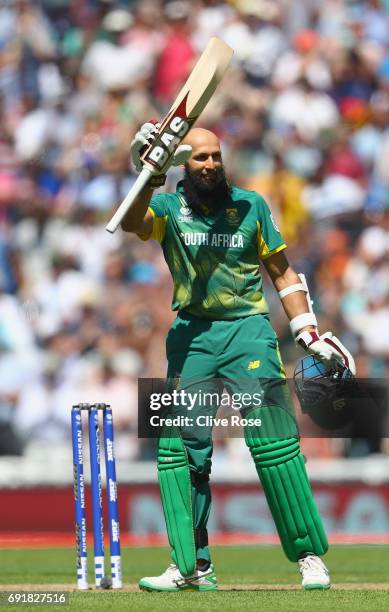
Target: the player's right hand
pixel 142 140
pixel 145 137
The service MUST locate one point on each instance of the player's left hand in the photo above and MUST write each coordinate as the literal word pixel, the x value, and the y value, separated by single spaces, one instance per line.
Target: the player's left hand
pixel 327 347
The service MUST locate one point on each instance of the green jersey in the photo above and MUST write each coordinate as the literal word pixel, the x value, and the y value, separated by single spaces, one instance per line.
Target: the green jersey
pixel 213 256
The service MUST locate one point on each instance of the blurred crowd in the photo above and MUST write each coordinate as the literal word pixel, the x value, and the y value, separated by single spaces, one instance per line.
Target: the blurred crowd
pixel 303 119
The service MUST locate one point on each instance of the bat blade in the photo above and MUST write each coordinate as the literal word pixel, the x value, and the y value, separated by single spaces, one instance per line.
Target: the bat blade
pixel 187 107
pixel 204 78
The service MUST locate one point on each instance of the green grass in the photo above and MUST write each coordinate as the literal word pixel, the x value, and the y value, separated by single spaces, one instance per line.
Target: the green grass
pixel 240 567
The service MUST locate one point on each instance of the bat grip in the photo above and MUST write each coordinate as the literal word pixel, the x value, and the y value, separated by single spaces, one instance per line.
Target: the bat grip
pixel 128 201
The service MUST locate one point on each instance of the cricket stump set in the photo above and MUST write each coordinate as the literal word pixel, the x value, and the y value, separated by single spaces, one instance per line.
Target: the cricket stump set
pixel 97 495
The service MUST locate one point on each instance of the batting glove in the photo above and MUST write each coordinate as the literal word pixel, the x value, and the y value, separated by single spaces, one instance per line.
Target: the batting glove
pixel 143 139
pixel 327 347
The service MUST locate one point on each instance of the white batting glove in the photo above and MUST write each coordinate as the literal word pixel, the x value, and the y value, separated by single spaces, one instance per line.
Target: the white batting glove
pixel 145 137
pixel 142 140
pixel 181 156
pixel 327 347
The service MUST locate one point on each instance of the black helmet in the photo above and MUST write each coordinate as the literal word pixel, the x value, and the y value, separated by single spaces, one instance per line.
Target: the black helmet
pixel 325 392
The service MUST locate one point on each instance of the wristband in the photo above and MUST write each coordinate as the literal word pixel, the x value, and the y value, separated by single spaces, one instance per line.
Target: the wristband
pixel 302 320
pixel 157 180
pixel 306 338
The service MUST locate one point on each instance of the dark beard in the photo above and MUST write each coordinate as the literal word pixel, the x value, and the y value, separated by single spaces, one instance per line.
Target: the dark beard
pixel 211 194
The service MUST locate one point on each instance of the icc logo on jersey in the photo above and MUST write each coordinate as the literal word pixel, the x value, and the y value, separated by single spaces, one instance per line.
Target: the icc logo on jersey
pixel 185 214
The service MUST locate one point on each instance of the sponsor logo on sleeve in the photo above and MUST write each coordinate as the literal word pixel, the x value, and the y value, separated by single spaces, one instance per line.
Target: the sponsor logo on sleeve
pixel 274 223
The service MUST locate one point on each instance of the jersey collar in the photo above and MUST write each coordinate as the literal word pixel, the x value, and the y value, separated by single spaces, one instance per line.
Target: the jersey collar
pixel 181 192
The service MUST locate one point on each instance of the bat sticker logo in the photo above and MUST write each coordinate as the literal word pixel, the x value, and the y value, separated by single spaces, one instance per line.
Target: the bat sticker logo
pixel 169 138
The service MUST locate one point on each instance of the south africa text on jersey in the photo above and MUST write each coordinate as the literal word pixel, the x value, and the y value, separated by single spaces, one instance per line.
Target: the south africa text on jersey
pixel 213 240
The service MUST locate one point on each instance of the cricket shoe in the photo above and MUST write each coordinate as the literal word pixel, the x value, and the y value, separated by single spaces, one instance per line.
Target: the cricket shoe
pixel 314 573
pixel 173 580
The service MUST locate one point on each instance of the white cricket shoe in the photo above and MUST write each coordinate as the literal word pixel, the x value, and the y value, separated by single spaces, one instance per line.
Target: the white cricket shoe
pixel 314 573
pixel 173 580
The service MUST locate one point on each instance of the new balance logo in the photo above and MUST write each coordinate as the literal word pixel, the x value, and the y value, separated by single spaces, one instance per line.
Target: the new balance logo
pixel 253 365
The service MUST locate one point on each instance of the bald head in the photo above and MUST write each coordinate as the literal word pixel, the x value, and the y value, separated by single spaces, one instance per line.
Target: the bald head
pixel 199 137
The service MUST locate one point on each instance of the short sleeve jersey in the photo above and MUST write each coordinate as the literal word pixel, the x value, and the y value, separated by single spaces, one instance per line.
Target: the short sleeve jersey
pixel 213 256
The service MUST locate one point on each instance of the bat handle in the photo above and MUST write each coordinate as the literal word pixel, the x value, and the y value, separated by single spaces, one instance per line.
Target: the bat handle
pixel 128 201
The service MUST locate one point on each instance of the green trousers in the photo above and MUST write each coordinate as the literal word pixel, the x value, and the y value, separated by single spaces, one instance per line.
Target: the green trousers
pixel 201 354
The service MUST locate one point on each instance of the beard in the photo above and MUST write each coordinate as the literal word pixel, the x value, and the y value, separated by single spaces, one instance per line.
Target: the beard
pixel 210 190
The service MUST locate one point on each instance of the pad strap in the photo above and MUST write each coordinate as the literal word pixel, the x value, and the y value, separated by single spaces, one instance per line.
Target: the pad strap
pixel 198 478
pixel 201 537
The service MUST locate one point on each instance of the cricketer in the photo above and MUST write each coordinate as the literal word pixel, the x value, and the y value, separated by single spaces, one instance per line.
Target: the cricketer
pixel 214 236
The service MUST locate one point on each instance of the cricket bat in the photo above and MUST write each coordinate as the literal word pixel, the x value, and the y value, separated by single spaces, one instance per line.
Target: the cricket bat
pixel 186 109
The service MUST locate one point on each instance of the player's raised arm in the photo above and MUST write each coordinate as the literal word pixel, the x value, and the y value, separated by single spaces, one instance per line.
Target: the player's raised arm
pixel 294 294
pixel 138 219
pixel 161 152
